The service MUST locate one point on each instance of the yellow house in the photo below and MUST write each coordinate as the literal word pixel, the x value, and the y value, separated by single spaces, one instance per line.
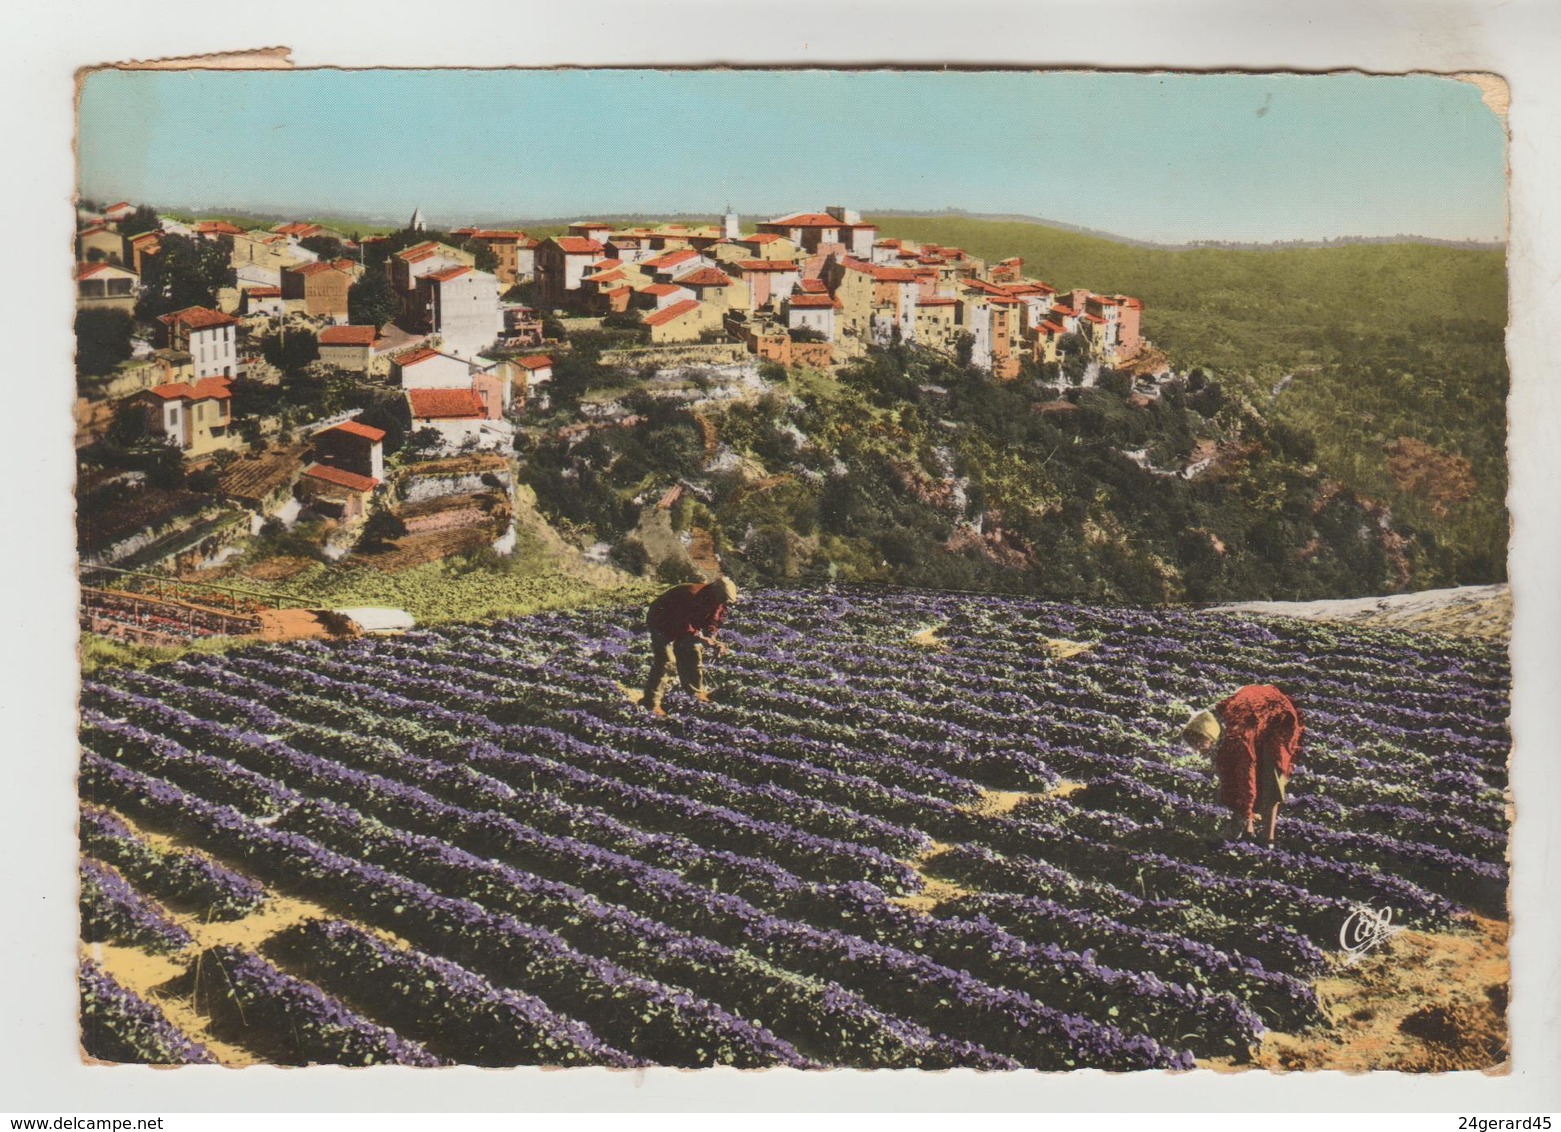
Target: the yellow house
pixel 100 243
pixel 195 417
pixel 683 322
pixel 768 245
pixel 715 287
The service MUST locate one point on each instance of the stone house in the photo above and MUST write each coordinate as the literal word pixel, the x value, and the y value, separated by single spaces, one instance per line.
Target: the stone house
pixel 322 287
pixel 352 447
pixel 685 321
pixel 335 492
pixel 349 347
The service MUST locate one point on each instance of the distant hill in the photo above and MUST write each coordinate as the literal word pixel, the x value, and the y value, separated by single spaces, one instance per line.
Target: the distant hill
pixel 1356 344
pixel 885 214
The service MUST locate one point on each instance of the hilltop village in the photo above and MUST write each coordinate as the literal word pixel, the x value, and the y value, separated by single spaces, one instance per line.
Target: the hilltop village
pixel 368 395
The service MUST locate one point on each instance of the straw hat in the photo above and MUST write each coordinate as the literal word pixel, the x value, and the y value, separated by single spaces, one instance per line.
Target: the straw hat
pixel 1203 729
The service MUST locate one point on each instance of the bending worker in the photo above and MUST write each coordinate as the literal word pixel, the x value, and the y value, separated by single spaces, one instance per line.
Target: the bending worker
pixel 682 622
pixel 1255 736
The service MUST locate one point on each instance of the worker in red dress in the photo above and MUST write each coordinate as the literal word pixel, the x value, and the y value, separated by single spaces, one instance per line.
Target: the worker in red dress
pixel 683 622
pixel 1255 736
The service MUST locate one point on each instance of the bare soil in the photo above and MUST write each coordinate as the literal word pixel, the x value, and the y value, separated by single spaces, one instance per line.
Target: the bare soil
pixel 1422 1002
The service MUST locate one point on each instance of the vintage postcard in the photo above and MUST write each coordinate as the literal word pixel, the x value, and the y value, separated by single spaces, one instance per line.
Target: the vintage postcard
pixel 810 569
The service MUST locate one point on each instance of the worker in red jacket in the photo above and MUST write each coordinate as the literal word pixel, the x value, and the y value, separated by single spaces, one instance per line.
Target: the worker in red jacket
pixel 1255 736
pixel 682 623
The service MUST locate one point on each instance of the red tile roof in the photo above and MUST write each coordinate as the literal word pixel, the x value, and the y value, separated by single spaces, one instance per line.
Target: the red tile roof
pixel 1058 308
pixel 447 273
pixel 206 389
pixel 445 404
pixel 676 310
pixel 311 269
pixel 297 228
pixel 705 277
pixel 937 301
pixel 809 220
pixel 88 270
pixel 1052 328
pixel 536 361
pixel 1095 318
pixel 769 265
pixel 607 264
pixel 264 293
pixel 1104 300
pixel 578 245
pixel 882 274
pixel 417 252
pixel 605 277
pixel 763 238
pixel 673 258
pixel 146 237
pixel 414 356
pixel 812 286
pixel 344 264
pixel 498 234
pixel 358 428
pixel 814 301
pixel 341 478
pixel 348 335
pixel 218 228
pixel 659 289
pixel 198 318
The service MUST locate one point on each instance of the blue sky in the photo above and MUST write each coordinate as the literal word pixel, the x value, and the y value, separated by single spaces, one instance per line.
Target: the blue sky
pixel 1156 157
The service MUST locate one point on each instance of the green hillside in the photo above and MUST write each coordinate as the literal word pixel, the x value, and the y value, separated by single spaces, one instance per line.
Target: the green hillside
pixel 1386 341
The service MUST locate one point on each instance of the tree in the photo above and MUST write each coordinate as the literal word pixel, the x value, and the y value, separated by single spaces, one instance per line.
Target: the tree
pixel 964 348
pixel 326 247
pixel 186 272
pixel 102 341
pixel 370 301
pixel 128 427
pixel 624 320
pixel 382 527
pixel 143 219
pixel 424 441
pixel 390 414
pixel 292 350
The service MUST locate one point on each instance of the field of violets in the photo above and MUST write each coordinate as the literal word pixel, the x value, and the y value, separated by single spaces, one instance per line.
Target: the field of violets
pixel 910 830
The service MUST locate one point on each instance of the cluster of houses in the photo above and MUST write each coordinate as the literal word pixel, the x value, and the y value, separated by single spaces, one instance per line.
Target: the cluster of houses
pixel 447 313
pixel 827 279
pixel 811 288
